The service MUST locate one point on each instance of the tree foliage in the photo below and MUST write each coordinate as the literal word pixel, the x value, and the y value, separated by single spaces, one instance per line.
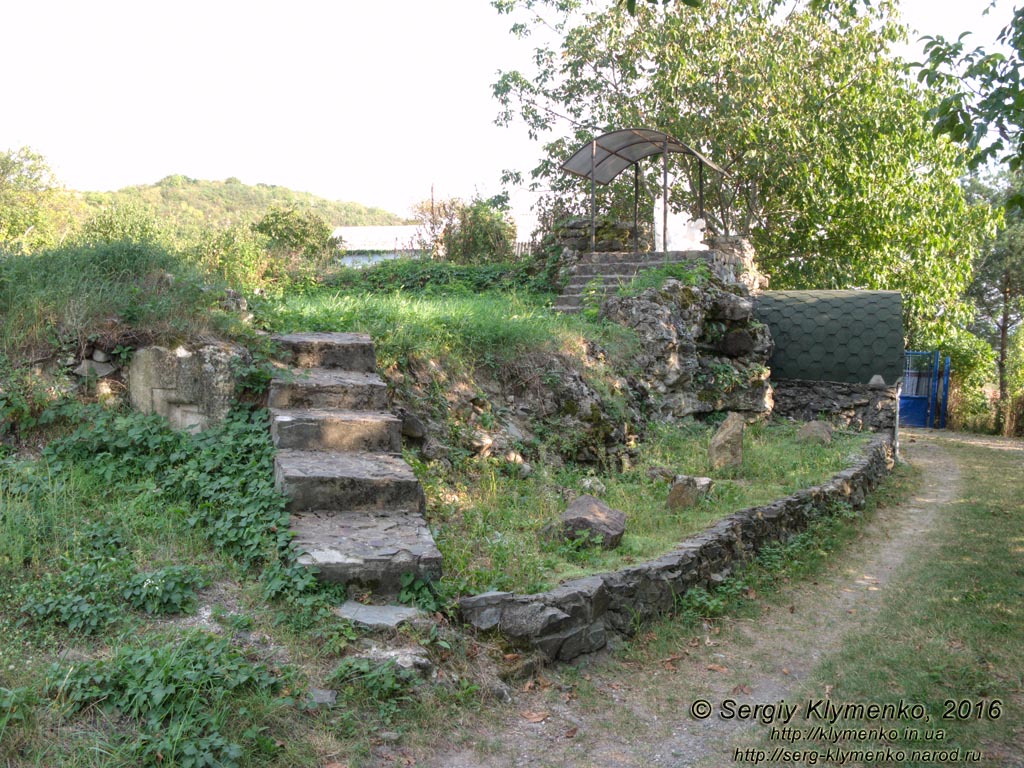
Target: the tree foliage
pixel 298 233
pixel 983 106
pixel 832 165
pixel 477 232
pixel 35 211
pixel 998 287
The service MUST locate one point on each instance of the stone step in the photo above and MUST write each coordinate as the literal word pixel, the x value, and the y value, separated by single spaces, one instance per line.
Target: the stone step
pixel 565 309
pixel 319 388
pixel 573 300
pixel 617 257
pixel 348 351
pixel 369 550
pixel 621 268
pixel 335 430
pixel 347 482
pixel 580 284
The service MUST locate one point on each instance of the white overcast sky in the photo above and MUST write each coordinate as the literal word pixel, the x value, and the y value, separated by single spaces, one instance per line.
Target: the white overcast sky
pixel 351 99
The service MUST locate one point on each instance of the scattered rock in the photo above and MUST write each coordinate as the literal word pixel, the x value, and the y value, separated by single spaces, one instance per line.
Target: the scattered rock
pixel 377 616
pixel 726 449
pixel 688 492
pixel 592 485
pixel 661 473
pixel 819 432
pixel 412 426
pixel 100 356
pixel 409 659
pixel 433 449
pixel 592 516
pixel 323 697
pixel 93 368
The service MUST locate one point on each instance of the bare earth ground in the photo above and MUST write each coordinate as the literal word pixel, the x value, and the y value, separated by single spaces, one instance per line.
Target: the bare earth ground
pixel 616 713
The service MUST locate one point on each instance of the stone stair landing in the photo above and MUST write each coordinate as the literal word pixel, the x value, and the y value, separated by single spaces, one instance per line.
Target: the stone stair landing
pixel 356 507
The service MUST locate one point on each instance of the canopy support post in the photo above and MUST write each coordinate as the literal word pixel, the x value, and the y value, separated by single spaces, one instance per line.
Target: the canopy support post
pixel 664 198
pixel 700 175
pixel 636 207
pixel 593 197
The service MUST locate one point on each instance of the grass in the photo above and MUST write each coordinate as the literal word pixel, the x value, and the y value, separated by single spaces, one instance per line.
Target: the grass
pixel 949 635
pixel 464 330
pixel 491 524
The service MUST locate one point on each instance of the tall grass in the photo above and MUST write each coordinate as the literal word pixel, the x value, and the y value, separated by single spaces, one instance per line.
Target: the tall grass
pixel 493 526
pixel 488 327
pixel 68 295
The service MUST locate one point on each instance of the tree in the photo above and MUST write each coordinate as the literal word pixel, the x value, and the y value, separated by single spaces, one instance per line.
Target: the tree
pixel 35 211
pixel 983 107
pixel 832 166
pixel 298 233
pixel 477 232
pixel 998 287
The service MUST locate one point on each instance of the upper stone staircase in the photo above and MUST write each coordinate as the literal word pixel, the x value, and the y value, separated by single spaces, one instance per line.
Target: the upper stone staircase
pixel 601 272
pixel 356 507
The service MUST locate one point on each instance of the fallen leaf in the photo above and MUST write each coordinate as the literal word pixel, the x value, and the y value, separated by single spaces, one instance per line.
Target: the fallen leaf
pixel 675 657
pixel 535 717
pixel 694 643
pixel 792 609
pixel 512 656
pixel 750 593
pixel 336 765
pixel 567 697
pixel 785 671
pixel 746 690
pixel 828 691
pixel 530 685
pixel 717 668
pixel 571 733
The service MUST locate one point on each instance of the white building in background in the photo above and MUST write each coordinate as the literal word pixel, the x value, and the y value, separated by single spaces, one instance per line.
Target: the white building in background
pixel 399 238
pixel 381 242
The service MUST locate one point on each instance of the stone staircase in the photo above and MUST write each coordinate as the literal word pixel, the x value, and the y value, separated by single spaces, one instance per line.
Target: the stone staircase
pixel 604 271
pixel 356 507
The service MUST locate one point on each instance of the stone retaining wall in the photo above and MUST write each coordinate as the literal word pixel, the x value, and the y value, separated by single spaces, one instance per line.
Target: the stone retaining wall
pixel 578 616
pixel 859 406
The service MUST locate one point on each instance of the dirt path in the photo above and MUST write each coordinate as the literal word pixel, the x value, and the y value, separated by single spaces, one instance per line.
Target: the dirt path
pixel 614 713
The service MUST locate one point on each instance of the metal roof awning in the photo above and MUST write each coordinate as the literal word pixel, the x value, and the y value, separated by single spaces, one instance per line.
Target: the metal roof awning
pixel 609 155
pixel 604 157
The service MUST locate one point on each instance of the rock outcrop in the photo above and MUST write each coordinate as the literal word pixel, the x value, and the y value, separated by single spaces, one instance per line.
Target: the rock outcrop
pixel 702 350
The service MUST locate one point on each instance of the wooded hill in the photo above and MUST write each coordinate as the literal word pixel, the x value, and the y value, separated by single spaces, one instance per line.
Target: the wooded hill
pixel 192 202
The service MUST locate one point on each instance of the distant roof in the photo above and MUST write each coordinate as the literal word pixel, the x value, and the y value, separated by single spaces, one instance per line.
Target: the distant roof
pixel 618 150
pixel 378 237
pixel 845 336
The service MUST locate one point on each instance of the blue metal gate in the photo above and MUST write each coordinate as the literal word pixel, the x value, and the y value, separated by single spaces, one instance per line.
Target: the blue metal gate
pixel 925 392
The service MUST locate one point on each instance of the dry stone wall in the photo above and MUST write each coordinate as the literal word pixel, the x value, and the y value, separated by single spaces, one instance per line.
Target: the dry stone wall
pixel 858 406
pixel 580 616
pixel 702 350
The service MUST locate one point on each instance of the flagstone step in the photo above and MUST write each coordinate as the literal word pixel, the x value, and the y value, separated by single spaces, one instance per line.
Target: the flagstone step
pixel 321 388
pixel 347 482
pixel 348 351
pixel 370 550
pixel 335 430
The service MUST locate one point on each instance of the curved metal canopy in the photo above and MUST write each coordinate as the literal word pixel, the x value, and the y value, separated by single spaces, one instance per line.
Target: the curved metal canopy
pixel 605 157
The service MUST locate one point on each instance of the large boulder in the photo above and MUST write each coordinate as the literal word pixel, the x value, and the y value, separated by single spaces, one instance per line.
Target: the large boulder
pixel 192 389
pixel 688 492
pixel 726 448
pixel 591 516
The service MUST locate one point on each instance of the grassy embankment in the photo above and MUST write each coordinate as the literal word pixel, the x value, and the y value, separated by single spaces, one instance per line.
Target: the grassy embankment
pixel 113 538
